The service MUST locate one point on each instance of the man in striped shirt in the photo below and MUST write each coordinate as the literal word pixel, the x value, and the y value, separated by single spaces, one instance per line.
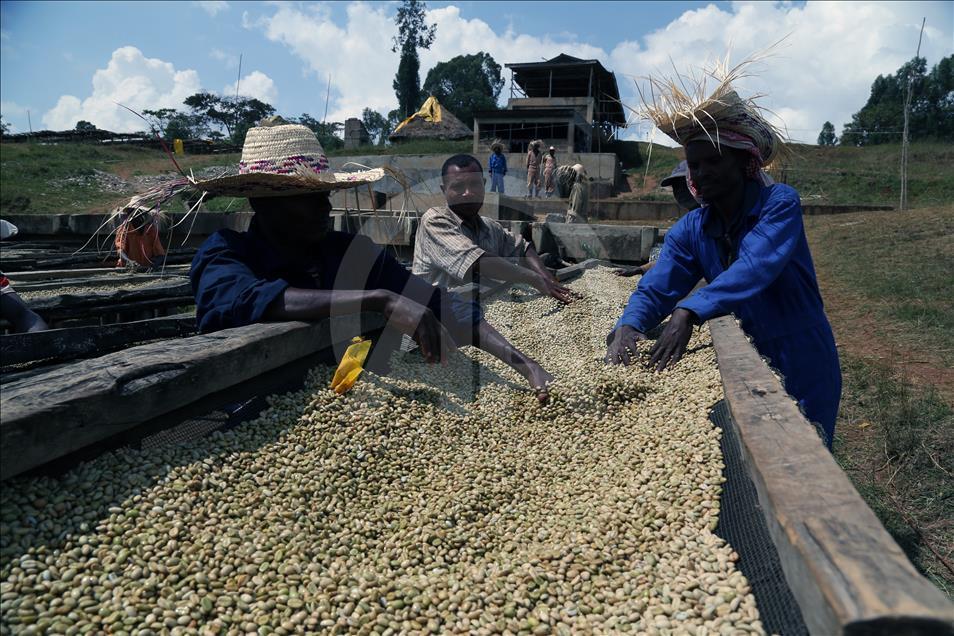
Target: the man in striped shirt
pixel 455 245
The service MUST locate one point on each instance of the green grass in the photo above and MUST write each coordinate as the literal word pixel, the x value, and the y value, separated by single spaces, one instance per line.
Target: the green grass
pixel 60 178
pixel 896 442
pixel 46 179
pixel 901 263
pixel 848 175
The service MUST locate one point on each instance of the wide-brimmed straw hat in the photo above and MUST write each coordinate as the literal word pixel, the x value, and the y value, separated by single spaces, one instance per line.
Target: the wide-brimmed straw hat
pixel 281 159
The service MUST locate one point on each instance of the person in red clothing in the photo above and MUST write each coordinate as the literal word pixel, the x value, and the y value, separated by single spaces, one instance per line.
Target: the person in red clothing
pixel 137 239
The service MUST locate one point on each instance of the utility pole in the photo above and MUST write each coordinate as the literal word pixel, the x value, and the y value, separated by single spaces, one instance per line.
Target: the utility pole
pixel 907 116
pixel 327 99
pixel 29 121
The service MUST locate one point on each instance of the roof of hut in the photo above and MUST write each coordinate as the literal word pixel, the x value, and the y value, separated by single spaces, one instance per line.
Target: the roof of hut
pixel 432 121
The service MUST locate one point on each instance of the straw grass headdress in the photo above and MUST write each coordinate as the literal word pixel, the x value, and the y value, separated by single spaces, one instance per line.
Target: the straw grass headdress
pixel 685 110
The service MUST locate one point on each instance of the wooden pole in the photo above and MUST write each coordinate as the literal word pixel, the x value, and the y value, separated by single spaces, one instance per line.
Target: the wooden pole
pixel 907 116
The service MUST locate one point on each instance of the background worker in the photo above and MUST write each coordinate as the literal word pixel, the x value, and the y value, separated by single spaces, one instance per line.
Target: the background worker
pixel 533 170
pixel 680 192
pixel 578 206
pixel 455 244
pixel 289 266
pixel 12 309
pixel 748 242
pixel 137 239
pixel 498 167
pixel 549 172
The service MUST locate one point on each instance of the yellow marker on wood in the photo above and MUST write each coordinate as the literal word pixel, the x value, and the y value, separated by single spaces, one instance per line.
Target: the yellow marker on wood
pixel 350 366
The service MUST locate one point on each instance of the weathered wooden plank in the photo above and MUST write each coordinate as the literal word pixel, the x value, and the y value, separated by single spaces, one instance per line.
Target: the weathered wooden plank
pixel 116 280
pixel 846 572
pixel 56 274
pixel 51 304
pixel 49 415
pixel 76 342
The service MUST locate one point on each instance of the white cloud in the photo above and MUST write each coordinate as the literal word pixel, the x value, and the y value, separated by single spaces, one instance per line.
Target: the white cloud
pixel 212 7
pixel 11 109
pixel 231 60
pixel 130 79
pixel 823 70
pixel 358 53
pixel 256 84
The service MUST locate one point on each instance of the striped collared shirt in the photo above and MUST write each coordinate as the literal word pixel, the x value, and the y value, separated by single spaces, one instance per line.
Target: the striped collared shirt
pixel 445 248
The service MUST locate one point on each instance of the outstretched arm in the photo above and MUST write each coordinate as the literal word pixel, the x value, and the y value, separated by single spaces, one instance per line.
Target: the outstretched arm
pixel 493 342
pixel 405 315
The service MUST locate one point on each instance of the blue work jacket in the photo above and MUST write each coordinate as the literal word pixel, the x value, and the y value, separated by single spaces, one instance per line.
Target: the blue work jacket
pixel 759 269
pixel 237 275
pixel 498 163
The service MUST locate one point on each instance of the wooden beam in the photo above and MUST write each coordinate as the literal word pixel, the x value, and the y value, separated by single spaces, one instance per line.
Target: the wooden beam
pixel 56 274
pixel 49 415
pixel 105 299
pixel 115 280
pixel 844 569
pixel 77 342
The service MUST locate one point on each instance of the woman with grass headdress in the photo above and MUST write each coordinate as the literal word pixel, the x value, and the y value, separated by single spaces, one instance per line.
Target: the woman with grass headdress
pixel 746 240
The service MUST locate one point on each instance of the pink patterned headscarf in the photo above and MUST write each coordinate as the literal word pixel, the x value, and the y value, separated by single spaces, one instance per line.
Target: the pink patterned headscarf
pixel 732 139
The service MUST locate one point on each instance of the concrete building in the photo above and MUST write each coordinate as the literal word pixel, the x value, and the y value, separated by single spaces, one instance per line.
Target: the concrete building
pixel 569 103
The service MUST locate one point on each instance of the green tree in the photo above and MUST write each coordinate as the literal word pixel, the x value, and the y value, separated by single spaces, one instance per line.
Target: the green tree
pixel 84 126
pixel 245 112
pixel 4 126
pixel 377 125
pixel 235 114
pixel 413 34
pixel 326 132
pixel 169 123
pixel 881 119
pixel 466 84
pixel 827 135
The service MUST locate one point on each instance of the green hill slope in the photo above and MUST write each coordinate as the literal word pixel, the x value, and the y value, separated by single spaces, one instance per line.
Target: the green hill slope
pixel 71 178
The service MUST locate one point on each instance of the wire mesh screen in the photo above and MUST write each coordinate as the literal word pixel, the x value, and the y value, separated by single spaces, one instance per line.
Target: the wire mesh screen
pixel 742 524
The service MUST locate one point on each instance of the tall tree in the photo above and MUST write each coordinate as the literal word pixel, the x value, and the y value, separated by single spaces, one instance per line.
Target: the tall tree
pixel 376 124
pixel 413 34
pixel 881 119
pixel 466 84
pixel 84 126
pixel 827 135
pixel 235 114
pixel 326 132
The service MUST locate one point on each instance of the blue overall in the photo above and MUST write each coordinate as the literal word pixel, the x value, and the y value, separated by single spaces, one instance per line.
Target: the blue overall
pixel 237 275
pixel 760 269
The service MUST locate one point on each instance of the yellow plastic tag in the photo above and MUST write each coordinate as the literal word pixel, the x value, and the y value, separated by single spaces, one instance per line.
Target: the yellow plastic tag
pixel 350 366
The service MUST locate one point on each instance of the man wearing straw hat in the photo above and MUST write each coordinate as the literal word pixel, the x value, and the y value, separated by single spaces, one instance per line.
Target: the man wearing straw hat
pixel 747 241
pixel 289 266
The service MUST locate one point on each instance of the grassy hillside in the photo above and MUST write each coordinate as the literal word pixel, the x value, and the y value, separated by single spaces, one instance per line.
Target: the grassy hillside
pixel 886 280
pixel 838 175
pixel 67 178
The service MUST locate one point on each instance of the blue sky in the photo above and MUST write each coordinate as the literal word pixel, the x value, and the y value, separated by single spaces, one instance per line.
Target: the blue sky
pixel 65 61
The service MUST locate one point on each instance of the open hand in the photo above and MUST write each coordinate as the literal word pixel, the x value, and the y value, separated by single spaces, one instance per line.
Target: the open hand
pixel 622 345
pixel 553 288
pixel 671 345
pixel 420 323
